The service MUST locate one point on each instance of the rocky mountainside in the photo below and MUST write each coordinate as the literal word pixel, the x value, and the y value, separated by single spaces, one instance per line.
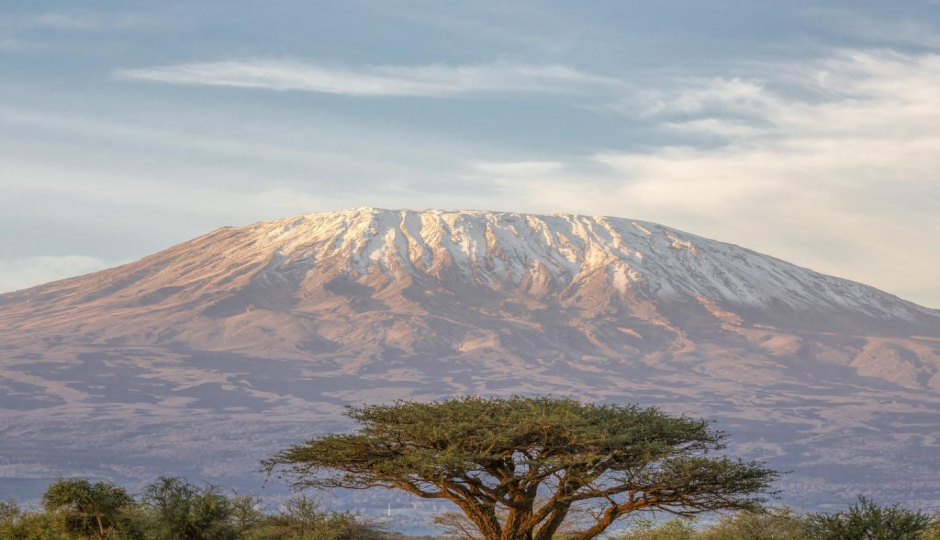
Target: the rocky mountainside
pixel 207 355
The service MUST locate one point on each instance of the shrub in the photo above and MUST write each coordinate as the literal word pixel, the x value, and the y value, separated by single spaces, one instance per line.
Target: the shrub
pixel 18 525
pixel 180 510
pixel 302 519
pixel 674 529
pixel 87 509
pixel 866 520
pixel 772 524
pixel 933 531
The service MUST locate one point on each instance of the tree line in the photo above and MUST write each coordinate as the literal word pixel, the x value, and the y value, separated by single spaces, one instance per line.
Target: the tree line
pixel 518 468
pixel 175 509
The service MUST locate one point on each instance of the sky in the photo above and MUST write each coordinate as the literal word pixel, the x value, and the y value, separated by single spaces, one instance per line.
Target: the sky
pixel 809 131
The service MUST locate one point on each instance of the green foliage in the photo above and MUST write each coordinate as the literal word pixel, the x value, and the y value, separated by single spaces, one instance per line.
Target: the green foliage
pixel 170 503
pixel 246 513
pixel 772 524
pixel 185 511
pixel 9 511
pixel 174 509
pixel 302 519
pixel 16 524
pixel 493 457
pixel 87 509
pixel 866 520
pixel 863 521
pixel 932 532
pixel 674 529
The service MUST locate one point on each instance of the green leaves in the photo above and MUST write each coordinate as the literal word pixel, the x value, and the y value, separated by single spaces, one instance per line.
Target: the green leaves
pixel 501 453
pixel 866 520
pixel 93 509
pixel 174 509
pixel 862 521
pixel 185 511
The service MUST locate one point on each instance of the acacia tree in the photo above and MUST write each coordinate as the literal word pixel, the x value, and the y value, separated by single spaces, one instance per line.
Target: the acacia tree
pixel 94 509
pixel 516 466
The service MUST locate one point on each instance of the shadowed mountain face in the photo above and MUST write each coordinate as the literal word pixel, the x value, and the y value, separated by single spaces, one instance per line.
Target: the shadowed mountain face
pixel 206 357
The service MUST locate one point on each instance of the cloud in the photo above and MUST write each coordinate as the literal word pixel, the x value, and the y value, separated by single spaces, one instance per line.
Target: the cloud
pixel 831 164
pixel 87 21
pixel 429 81
pixel 519 169
pixel 26 272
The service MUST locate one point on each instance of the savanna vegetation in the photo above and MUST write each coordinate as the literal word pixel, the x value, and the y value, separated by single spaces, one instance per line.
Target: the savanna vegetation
pixel 517 468
pixel 175 509
pixel 864 520
pixel 520 468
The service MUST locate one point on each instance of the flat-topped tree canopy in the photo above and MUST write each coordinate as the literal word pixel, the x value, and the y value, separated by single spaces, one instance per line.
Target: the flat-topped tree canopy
pixel 516 466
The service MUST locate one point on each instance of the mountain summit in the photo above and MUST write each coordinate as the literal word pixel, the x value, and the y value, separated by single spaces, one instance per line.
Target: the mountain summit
pixel 256 328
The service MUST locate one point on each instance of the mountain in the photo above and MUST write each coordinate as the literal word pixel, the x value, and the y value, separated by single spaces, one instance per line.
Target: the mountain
pixel 208 356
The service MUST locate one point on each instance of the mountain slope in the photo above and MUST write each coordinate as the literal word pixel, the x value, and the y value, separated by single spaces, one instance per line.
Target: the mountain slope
pixel 281 323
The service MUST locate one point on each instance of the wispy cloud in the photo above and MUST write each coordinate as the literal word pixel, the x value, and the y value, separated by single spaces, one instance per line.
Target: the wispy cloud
pixel 89 21
pixel 519 169
pixel 844 148
pixel 435 80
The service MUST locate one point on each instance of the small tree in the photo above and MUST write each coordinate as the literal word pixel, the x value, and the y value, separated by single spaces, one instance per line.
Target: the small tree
pixel 90 509
pixel 184 511
pixel 674 529
pixel 495 459
pixel 774 524
pixel 9 511
pixel 869 521
pixel 34 526
pixel 247 513
pixel 301 518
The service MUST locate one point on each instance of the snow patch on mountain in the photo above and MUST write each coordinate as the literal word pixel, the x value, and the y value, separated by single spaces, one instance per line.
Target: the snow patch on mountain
pixel 501 249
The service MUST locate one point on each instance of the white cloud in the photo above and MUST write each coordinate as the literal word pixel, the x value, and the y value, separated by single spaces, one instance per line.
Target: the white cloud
pixel 721 127
pixel 429 81
pixel 833 165
pixel 26 272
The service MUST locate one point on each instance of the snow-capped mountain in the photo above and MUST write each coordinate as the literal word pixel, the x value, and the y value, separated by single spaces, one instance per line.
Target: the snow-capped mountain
pixel 265 331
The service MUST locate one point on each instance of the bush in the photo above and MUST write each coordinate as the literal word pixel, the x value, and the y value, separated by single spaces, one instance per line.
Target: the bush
pixel 89 510
pixel 866 520
pixel 674 529
pixel 175 509
pixel 772 524
pixel 301 518
pixel 933 531
pixel 18 525
pixel 180 510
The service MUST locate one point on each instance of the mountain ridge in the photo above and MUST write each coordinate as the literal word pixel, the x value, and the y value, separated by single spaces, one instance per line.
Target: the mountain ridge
pixel 264 329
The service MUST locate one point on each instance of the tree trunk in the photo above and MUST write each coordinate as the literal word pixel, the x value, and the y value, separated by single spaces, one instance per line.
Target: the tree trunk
pixel 100 526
